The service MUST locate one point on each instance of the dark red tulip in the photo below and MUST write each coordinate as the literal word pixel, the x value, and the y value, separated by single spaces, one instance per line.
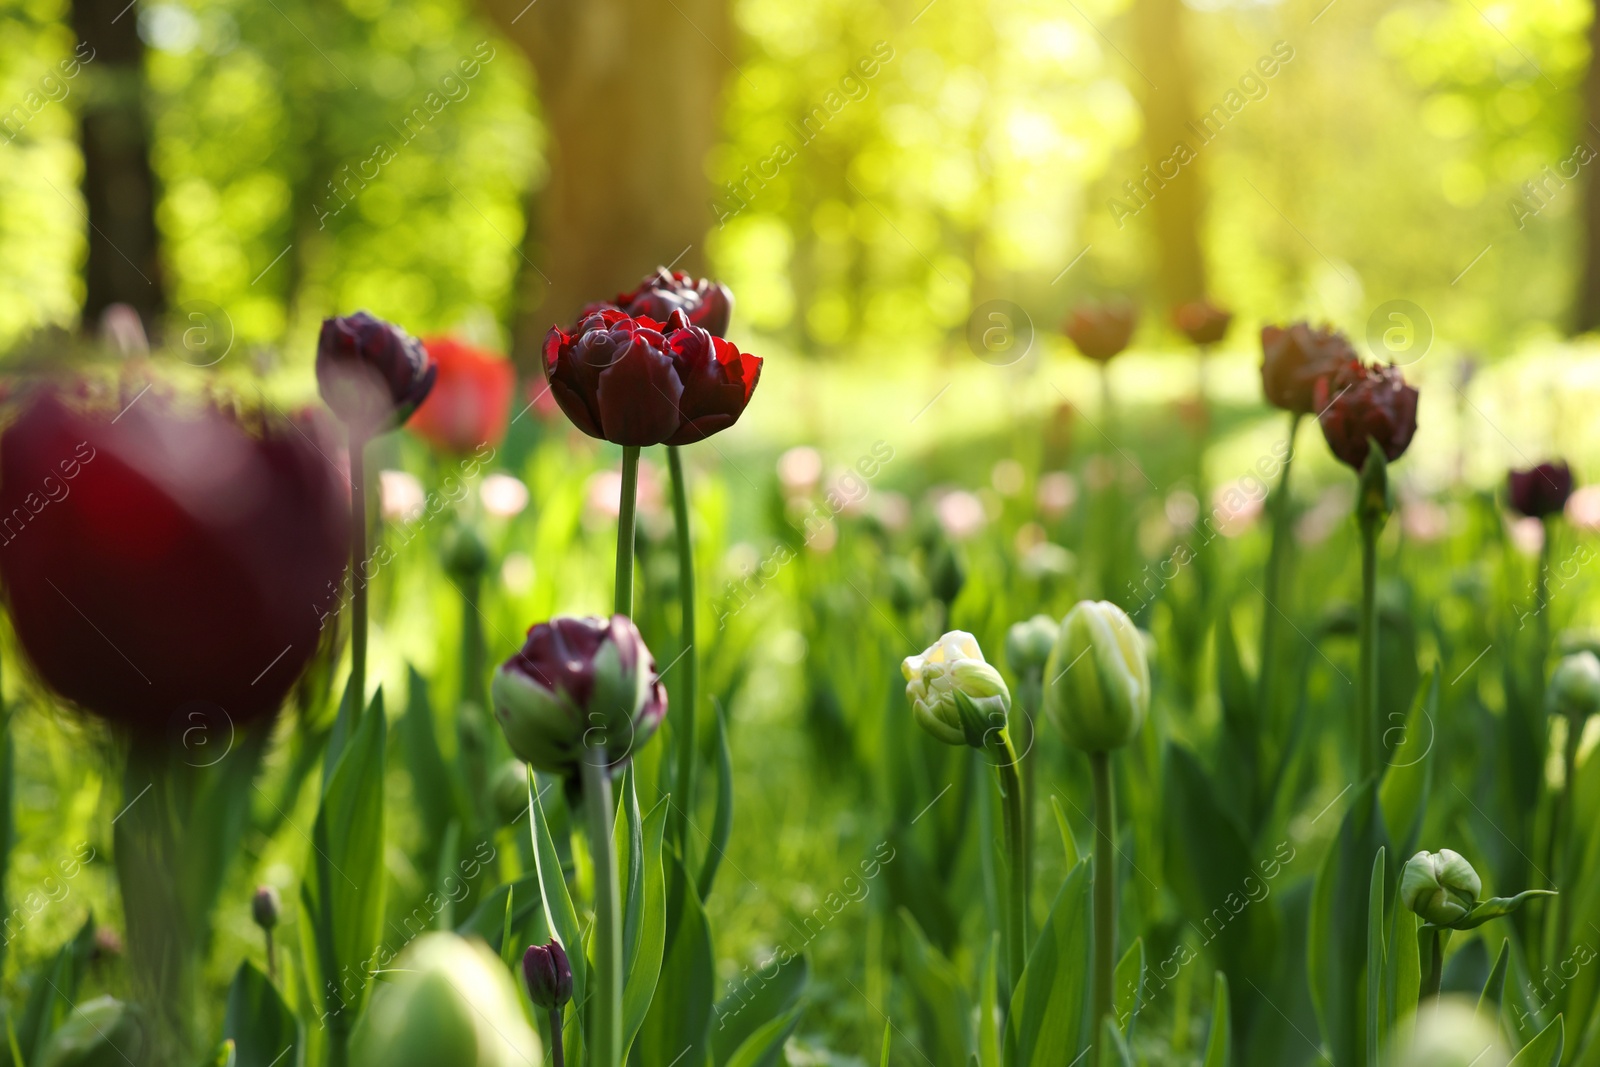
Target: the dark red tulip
pixel 1201 321
pixel 1100 331
pixel 1540 491
pixel 1294 357
pixel 635 382
pixel 1357 401
pixel 470 402
pixel 707 304
pixel 165 564
pixel 371 373
pixel 548 973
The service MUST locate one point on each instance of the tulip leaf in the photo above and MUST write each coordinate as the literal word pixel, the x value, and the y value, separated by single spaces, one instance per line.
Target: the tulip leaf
pixel 679 1016
pixel 765 993
pixel 1545 1048
pixel 1408 777
pixel 1377 970
pixel 937 989
pixel 1495 907
pixel 989 1045
pixel 761 1049
pixel 1128 984
pixel 883 1060
pixel 1240 740
pixel 722 821
pixel 433 790
pixel 54 991
pixel 649 941
pixel 1403 971
pixel 628 841
pixel 338 736
pixel 1048 1022
pixel 1219 1045
pixel 342 892
pixel 1494 989
pixel 559 914
pixel 487 920
pixel 1068 844
pixel 265 1033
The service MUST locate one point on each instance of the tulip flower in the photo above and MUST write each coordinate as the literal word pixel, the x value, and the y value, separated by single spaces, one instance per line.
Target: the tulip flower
pixel 706 303
pixel 959 698
pixel 1201 321
pixel 265 907
pixel 1097 692
pixel 1294 357
pixel 1101 330
pixel 470 403
pixel 1541 491
pixel 1575 686
pixel 447 1000
pixel 1443 889
pixel 372 375
pixel 549 976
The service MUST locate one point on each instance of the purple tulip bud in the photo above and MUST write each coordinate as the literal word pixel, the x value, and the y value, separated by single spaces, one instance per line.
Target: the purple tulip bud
pixel 548 974
pixel 1540 491
pixel 265 907
pixel 371 373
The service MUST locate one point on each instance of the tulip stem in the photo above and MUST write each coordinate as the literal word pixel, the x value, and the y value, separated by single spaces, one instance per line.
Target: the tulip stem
pixel 689 671
pixel 1431 980
pixel 557 1056
pixel 358 578
pixel 623 602
pixel 605 1031
pixel 1277 553
pixel 1016 920
pixel 1105 897
pixel 1367 732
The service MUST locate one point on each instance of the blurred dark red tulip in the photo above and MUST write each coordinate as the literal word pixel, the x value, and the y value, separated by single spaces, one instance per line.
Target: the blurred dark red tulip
pixel 707 304
pixel 1542 490
pixel 1100 331
pixel 371 373
pixel 635 382
pixel 1294 357
pixel 1357 401
pixel 470 402
pixel 548 973
pixel 1201 321
pixel 163 563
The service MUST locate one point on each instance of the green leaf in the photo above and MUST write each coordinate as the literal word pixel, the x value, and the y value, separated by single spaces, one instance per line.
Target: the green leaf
pixel 1114 1051
pixel 54 991
pixel 884 1059
pixel 1404 971
pixel 1408 778
pixel 939 995
pixel 1240 740
pixel 488 919
pixel 1495 907
pixel 337 737
pixel 1494 989
pixel 769 993
pixel 761 1049
pixel 559 914
pixel 1545 1049
pixel 433 790
pixel 1336 957
pixel 1048 1023
pixel 1377 970
pixel 650 934
pixel 342 891
pixel 1128 984
pixel 265 1033
pixel 1219 1045
pixel 989 1043
pixel 722 822
pixel 679 1017
pixel 1068 844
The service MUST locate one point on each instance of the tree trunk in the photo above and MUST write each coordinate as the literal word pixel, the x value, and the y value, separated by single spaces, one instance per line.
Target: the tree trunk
pixel 119 192
pixel 1587 313
pixel 1177 200
pixel 630 91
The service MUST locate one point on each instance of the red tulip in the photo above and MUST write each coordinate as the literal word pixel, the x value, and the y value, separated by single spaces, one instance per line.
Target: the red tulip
pixel 371 373
pixel 1201 321
pixel 1357 401
pixel 1101 330
pixel 161 562
pixel 470 403
pixel 1294 357
pixel 708 304
pixel 1540 491
pixel 635 382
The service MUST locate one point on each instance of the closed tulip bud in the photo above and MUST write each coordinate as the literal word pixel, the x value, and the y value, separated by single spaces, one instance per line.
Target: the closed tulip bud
pixel 1201 321
pixel 449 1001
pixel 510 791
pixel 947 571
pixel 1097 680
pixel 1101 330
pixel 465 555
pixel 955 694
pixel 371 373
pixel 549 975
pixel 1575 686
pixel 266 907
pixel 579 684
pixel 1028 644
pixel 1440 886
pixel 1540 491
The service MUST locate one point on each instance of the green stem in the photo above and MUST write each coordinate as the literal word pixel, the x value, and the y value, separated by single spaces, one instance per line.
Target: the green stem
pixel 605 1031
pixel 1367 727
pixel 1431 980
pixel 1111 496
pixel 1541 595
pixel 1559 819
pixel 1105 899
pixel 689 668
pixel 358 579
pixel 557 1057
pixel 1277 554
pixel 1030 784
pixel 623 602
pixel 1015 933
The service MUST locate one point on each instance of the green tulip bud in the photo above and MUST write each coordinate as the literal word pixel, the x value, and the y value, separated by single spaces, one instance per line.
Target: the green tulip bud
pixel 465 555
pixel 1575 686
pixel 955 694
pixel 947 571
pixel 450 1001
pixel 1028 644
pixel 99 1033
pixel 1451 1033
pixel 1097 680
pixel 510 791
pixel 1440 886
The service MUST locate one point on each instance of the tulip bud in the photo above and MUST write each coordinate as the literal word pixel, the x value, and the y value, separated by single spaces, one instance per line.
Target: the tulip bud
pixel 1575 686
pixel 1450 1033
pixel 466 557
pixel 1100 331
pixel 955 694
pixel 1028 644
pixel 100 1031
pixel 265 907
pixel 372 374
pixel 1540 491
pixel 947 571
pixel 1097 680
pixel 548 974
pixel 1201 321
pixel 907 588
pixel 1440 886
pixel 510 791
pixel 579 684
pixel 449 1001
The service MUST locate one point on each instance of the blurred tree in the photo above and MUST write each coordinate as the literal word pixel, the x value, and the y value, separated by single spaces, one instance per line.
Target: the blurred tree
pixel 631 93
pixel 1588 303
pixel 1172 149
pixel 124 263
